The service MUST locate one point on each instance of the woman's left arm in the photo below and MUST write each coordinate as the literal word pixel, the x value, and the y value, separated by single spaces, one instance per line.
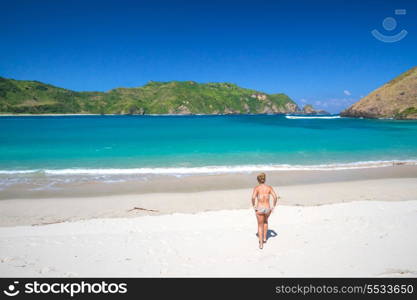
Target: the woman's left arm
pixel 254 195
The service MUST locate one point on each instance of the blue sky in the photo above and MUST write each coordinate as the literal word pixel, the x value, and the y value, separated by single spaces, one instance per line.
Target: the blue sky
pixel 318 52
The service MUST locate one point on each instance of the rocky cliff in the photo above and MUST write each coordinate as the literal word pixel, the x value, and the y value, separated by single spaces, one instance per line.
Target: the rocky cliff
pixel 308 109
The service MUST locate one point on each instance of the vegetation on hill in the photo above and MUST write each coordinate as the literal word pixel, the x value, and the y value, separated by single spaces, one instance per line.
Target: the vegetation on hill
pixel 174 97
pixel 396 99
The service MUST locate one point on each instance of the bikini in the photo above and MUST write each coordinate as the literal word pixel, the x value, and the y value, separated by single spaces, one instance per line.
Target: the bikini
pixel 263 210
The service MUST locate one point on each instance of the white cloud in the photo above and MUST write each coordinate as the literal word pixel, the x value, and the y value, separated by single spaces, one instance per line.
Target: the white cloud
pixel 303 100
pixel 347 93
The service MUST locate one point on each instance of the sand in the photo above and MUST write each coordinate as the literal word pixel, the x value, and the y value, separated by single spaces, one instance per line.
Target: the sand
pixel 360 238
pixel 344 228
pixel 36 211
pixel 154 184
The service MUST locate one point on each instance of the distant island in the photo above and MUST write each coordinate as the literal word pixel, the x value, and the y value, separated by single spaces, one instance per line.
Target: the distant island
pixel 309 110
pixel 174 97
pixel 396 99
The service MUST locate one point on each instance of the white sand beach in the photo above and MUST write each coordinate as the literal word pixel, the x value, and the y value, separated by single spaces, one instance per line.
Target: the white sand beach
pixel 362 228
pixel 350 239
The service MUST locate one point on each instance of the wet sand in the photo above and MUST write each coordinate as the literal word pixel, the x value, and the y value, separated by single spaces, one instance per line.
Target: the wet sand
pixel 200 183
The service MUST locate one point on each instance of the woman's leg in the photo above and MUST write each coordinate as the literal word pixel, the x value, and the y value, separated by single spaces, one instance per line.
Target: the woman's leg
pixel 266 226
pixel 260 219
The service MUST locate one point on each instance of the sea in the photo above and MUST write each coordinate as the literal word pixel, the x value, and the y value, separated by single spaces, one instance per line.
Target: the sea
pixel 114 148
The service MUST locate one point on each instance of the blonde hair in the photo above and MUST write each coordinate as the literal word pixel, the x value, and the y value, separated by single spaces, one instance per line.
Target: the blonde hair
pixel 261 178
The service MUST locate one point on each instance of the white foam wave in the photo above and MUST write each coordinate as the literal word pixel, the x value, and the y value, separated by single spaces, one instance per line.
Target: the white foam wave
pixel 17 171
pixel 216 169
pixel 312 117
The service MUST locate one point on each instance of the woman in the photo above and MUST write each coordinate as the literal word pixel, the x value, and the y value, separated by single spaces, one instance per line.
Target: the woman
pixel 262 209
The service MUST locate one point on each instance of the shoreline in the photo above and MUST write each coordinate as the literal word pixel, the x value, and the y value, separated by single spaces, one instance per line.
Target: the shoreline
pixel 56 115
pixel 305 116
pixel 215 169
pixel 199 182
pixel 183 114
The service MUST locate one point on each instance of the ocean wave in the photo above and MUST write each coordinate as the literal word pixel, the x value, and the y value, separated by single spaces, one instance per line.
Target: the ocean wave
pixel 214 169
pixel 312 117
pixel 12 172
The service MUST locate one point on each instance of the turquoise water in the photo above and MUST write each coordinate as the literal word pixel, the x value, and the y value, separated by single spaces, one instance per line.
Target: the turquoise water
pixel 103 145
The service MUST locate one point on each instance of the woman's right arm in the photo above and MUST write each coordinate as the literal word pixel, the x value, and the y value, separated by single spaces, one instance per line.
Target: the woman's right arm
pixel 274 195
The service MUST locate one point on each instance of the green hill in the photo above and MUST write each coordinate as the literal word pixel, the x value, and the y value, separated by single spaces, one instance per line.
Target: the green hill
pixel 174 97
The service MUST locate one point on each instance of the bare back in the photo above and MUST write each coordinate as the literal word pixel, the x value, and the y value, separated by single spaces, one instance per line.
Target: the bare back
pixel 262 193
